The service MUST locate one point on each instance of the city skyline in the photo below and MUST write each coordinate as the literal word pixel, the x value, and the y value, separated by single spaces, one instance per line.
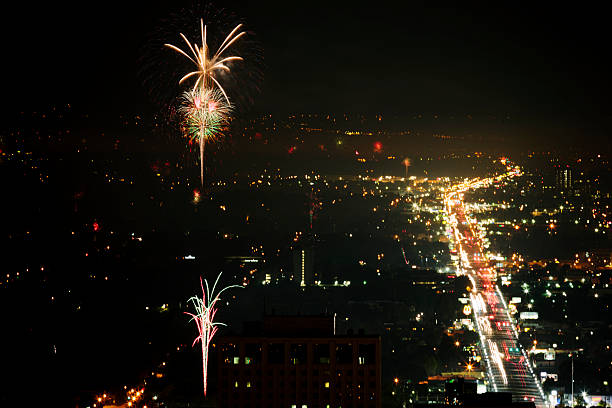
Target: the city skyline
pixel 306 205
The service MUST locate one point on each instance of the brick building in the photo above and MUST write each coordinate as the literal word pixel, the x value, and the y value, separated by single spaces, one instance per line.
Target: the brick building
pixel 298 362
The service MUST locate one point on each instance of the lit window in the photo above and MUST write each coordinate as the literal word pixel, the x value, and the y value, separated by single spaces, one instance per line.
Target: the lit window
pixel 248 384
pixel 236 360
pixel 247 360
pixel 326 384
pixel 236 384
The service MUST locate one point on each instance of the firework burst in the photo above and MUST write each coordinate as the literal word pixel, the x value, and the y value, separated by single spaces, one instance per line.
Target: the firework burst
pixel 406 164
pixel 205 111
pixel 205 114
pixel 208 66
pixel 204 317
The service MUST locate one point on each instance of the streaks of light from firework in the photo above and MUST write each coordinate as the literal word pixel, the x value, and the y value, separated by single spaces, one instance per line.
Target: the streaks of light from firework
pixel 160 68
pixel 204 317
pixel 205 114
pixel 208 66
pixel 202 118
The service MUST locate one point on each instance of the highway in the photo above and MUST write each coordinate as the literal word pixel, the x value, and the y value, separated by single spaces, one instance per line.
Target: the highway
pixel 506 362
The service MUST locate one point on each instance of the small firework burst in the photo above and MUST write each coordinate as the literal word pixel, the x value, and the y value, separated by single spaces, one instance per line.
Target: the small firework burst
pixel 206 113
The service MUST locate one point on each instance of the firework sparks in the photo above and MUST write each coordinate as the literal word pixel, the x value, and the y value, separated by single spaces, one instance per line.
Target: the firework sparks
pixel 208 66
pixel 204 316
pixel 206 112
pixel 206 107
pixel 406 164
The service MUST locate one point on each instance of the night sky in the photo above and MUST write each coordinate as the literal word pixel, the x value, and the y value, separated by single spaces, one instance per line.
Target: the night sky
pixel 547 62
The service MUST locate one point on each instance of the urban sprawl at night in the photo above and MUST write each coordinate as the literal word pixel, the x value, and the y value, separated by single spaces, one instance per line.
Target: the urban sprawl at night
pixel 218 239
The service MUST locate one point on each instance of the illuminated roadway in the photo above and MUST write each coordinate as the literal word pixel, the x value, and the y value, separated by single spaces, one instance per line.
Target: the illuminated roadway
pixel 506 363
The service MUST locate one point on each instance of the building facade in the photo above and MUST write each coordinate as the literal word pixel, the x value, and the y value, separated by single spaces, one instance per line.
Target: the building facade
pixel 563 179
pixel 297 362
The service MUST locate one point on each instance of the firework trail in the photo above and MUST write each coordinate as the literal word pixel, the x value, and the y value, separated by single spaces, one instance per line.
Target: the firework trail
pixel 206 112
pixel 204 316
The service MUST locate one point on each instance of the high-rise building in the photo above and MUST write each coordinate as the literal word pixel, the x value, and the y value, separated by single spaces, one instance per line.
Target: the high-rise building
pixel 564 180
pixel 303 266
pixel 298 362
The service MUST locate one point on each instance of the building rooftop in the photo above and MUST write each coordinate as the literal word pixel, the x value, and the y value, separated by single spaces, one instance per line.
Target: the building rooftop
pixel 286 326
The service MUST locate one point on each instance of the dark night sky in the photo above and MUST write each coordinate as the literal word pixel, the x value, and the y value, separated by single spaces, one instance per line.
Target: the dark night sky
pixel 545 62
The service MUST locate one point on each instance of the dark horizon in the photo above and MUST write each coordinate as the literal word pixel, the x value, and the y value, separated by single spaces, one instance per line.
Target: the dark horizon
pixel 543 65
